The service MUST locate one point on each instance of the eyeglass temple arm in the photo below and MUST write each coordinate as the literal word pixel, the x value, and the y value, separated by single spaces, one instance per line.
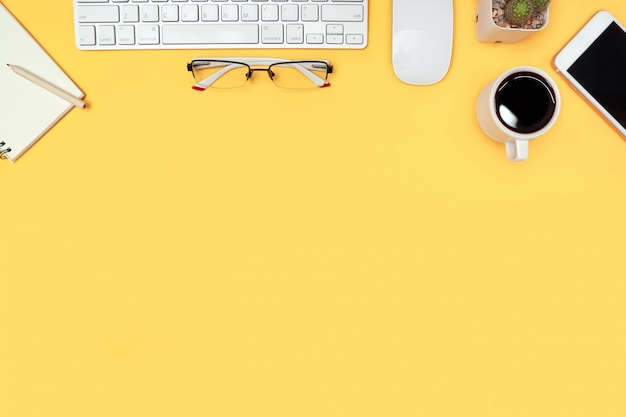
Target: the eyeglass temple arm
pixel 318 81
pixel 208 81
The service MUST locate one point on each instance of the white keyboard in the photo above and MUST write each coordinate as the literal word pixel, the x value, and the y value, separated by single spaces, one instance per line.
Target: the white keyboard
pixel 211 24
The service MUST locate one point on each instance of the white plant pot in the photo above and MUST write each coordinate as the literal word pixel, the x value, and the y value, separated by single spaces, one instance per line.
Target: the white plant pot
pixel 488 31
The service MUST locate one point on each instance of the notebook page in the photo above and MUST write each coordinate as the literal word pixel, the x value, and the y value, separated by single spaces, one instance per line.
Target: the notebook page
pixel 27 111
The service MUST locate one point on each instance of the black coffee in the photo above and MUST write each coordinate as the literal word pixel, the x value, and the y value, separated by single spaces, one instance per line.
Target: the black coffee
pixel 525 102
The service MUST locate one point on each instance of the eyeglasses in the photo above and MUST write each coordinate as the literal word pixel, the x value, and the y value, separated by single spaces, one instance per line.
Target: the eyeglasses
pixel 235 72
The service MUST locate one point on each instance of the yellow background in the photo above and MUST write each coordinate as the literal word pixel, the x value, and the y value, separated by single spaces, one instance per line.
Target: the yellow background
pixel 360 250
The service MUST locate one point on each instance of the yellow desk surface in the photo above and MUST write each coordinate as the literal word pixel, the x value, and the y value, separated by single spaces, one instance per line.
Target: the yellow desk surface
pixel 360 250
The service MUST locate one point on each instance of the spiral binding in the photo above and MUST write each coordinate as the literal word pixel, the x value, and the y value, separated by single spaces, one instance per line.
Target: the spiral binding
pixel 4 151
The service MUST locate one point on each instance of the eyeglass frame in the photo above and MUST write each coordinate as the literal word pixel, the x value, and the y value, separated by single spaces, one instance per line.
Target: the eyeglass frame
pixel 237 62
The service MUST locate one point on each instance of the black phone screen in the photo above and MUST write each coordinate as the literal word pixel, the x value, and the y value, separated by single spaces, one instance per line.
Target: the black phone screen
pixel 601 70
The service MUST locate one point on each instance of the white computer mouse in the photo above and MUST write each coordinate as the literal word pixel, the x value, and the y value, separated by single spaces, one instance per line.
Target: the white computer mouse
pixel 422 40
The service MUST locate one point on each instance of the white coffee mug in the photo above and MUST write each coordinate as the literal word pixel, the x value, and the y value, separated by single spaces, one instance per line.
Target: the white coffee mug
pixel 520 105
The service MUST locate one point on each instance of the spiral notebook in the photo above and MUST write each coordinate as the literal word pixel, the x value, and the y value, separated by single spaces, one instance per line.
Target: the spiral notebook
pixel 27 111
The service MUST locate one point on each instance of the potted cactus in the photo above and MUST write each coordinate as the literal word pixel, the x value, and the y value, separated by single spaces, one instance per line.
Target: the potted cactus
pixel 510 21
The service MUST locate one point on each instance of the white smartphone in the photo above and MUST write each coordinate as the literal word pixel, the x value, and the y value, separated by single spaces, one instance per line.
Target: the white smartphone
pixel 594 63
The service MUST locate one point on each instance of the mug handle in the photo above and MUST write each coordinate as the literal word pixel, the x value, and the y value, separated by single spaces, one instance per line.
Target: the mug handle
pixel 516 150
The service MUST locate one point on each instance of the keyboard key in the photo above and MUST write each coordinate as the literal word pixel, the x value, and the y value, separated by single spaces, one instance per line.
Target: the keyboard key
pixel 210 34
pixel 106 35
pixel 334 29
pixel 269 13
pixel 150 13
pixel 87 35
pixel 334 39
pixel 148 34
pixel 342 13
pixel 210 12
pixel 272 33
pixel 169 13
pixel 98 14
pixel 130 14
pixel 295 34
pixel 289 12
pixel 189 13
pixel 230 13
pixel 126 35
pixel 249 13
pixel 310 13
pixel 315 38
pixel 353 39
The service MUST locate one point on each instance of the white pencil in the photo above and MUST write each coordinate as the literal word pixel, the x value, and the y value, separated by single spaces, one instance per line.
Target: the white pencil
pixel 47 85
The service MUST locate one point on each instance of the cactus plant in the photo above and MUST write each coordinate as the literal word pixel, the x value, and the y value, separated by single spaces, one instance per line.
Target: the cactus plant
pixel 509 21
pixel 541 5
pixel 518 11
